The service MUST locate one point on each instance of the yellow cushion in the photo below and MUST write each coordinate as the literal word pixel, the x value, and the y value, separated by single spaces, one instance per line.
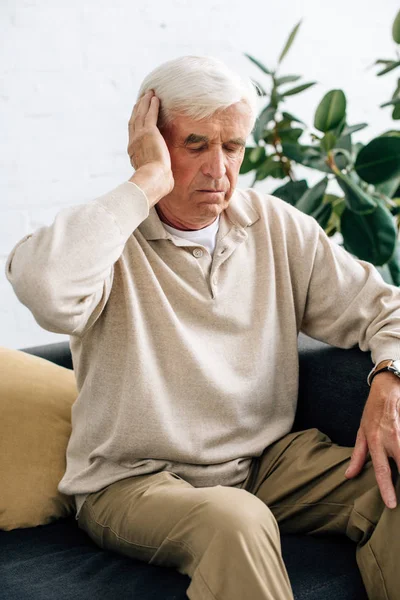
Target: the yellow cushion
pixel 35 424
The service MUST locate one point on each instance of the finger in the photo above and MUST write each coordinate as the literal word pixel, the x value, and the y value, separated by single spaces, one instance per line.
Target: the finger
pixel 358 456
pixel 153 113
pixel 135 109
pixel 143 108
pixel 137 120
pixel 134 112
pixel 383 476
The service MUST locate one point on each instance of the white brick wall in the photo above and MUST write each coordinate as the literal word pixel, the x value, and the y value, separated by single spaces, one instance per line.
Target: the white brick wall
pixel 70 71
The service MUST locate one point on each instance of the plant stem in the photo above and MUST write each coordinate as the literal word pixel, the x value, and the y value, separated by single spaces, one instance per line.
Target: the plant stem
pixel 330 161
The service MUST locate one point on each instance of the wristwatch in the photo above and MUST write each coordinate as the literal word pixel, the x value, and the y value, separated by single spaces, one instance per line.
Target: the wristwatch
pixel 385 365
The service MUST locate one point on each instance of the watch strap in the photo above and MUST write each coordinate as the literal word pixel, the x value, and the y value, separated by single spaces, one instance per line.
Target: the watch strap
pixel 382 366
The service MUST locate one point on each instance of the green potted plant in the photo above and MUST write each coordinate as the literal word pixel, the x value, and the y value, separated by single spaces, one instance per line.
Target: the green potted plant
pixel 367 211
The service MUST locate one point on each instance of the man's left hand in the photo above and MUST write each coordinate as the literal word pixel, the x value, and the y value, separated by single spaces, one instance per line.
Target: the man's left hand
pixel 379 433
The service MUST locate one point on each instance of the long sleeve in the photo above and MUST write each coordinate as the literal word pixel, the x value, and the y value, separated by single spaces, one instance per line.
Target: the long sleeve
pixel 63 273
pixel 348 303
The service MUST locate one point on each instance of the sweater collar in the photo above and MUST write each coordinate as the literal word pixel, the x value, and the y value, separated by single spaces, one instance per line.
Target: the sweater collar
pixel 240 212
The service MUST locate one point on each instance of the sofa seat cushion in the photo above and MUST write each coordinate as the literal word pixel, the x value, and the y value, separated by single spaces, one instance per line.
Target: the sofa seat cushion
pixel 35 424
pixel 61 561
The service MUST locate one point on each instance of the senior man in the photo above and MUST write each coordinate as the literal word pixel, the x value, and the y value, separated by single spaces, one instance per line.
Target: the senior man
pixel 183 297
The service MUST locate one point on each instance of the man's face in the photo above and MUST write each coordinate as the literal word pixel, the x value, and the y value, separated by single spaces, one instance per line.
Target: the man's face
pixel 205 157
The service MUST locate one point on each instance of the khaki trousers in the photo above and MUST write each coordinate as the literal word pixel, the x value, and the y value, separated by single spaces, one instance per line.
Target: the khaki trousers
pixel 227 539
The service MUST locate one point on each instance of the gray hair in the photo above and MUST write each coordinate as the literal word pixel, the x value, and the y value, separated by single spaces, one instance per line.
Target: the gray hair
pixel 197 86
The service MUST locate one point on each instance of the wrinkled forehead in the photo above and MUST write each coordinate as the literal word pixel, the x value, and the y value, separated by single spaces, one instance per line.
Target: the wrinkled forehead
pixel 233 122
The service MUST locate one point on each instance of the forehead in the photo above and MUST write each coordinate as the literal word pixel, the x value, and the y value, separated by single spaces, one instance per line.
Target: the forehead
pixel 232 122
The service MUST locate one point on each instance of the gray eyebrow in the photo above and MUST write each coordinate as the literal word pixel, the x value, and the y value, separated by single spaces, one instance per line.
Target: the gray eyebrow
pixel 194 138
pixel 238 142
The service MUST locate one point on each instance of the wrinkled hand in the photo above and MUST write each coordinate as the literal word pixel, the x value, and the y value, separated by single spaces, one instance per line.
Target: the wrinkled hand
pixel 148 152
pixel 379 433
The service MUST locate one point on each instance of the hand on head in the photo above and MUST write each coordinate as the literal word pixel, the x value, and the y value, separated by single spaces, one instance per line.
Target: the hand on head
pixel 148 151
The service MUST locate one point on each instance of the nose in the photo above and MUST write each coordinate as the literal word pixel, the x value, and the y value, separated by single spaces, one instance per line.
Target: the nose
pixel 214 163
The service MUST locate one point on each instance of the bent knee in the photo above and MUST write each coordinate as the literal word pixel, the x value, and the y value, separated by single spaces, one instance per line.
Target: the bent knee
pixel 234 509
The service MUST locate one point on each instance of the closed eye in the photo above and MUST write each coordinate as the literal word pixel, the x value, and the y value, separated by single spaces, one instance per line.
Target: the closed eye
pixel 234 149
pixel 230 149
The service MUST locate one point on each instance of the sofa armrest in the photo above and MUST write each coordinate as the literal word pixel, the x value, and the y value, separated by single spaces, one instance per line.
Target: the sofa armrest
pixel 333 389
pixel 58 353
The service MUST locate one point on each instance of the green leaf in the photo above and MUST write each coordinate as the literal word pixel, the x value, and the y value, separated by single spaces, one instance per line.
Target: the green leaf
pixel 298 89
pixel 287 79
pixel 381 61
pixel 293 151
pixel 290 134
pixel 389 187
pixel 370 237
pixel 391 102
pixel 338 204
pixel 259 64
pixel 396 113
pixel 318 163
pixel 283 124
pixel 256 154
pixel 312 152
pixel 393 65
pixel 269 136
pixel 331 110
pixel 396 29
pixel 357 148
pixel 290 117
pixel 340 127
pixel 379 160
pixel 394 266
pixel 385 200
pixel 344 143
pixel 396 209
pixel 292 191
pixel 328 141
pixel 322 214
pixel 270 168
pixel 248 165
pixel 289 42
pixel 275 97
pixel 396 93
pixel 349 129
pixel 357 200
pixel 312 198
pixel 390 133
pixel 259 88
pixel 342 157
pixel 308 156
pixel 262 121
pixel 301 152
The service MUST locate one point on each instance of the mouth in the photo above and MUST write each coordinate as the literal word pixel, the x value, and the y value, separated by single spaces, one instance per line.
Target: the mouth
pixel 211 191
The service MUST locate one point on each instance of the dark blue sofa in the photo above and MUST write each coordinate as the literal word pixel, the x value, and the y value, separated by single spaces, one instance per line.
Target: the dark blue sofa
pixel 60 562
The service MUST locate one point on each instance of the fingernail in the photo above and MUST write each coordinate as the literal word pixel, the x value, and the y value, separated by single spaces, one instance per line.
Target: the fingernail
pixel 392 503
pixel 347 471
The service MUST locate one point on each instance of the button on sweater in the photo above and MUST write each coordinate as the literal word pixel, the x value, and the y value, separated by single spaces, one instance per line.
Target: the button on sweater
pixel 183 363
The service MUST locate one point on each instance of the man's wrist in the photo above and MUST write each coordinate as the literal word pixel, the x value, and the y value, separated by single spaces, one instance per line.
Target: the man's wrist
pixel 150 181
pixel 385 375
pixel 385 366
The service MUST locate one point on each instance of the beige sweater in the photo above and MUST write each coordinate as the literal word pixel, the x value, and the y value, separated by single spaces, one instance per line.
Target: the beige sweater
pixel 184 361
